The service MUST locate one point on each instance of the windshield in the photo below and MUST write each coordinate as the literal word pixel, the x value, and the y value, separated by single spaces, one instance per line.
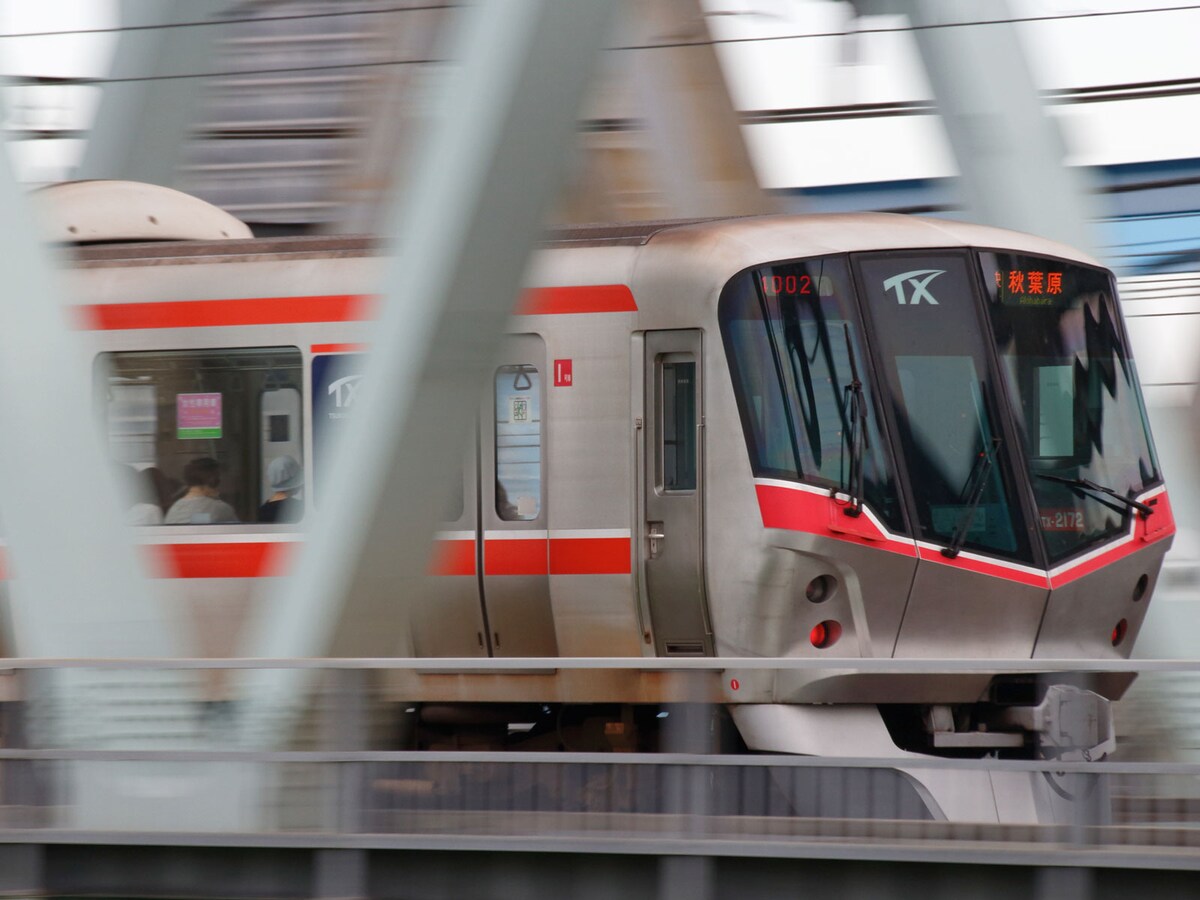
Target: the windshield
pixel 933 363
pixel 792 339
pixel 1074 391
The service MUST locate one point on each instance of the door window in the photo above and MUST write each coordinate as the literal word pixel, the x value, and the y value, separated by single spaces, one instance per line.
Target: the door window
pixel 678 431
pixel 518 443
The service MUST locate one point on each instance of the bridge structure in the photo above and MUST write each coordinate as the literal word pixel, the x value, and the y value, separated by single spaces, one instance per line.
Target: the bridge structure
pixel 329 815
pixel 115 779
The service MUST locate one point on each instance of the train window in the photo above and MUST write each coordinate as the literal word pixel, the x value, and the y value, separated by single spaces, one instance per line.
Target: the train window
pixel 933 358
pixel 766 418
pixel 678 429
pixel 279 429
pixel 1074 392
pixel 214 435
pixel 518 443
pixel 792 339
pixel 1055 403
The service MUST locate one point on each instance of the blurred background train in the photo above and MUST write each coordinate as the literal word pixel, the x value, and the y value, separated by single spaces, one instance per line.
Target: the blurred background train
pixel 846 435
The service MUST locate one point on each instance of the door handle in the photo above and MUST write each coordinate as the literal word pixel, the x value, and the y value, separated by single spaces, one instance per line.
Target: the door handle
pixel 655 534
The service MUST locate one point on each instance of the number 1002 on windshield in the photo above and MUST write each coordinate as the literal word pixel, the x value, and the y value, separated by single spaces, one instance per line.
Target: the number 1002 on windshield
pixel 786 285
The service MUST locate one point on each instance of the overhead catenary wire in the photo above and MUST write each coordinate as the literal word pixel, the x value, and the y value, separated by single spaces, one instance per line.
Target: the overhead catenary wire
pixel 859 32
pixel 1014 20
pixel 241 20
pixel 1131 90
pixel 1179 86
pixel 1115 92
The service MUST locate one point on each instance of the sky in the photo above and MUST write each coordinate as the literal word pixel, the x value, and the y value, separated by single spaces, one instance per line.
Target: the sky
pixel 62 55
pixel 873 65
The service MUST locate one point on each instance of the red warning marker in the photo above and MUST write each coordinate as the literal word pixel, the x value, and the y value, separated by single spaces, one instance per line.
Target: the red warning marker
pixel 562 373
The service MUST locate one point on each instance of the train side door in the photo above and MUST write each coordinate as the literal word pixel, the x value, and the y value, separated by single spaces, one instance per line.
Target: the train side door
pixel 513 495
pixel 673 494
pixel 448 618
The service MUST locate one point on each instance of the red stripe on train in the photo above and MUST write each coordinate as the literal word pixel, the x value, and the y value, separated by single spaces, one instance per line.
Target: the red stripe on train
pixel 558 556
pixel 452 557
pixel 590 556
pixel 521 556
pixel 600 298
pixel 338 348
pixel 594 298
pixel 1158 526
pixel 216 313
pixel 229 560
pixel 260 559
pixel 984 567
pixel 795 509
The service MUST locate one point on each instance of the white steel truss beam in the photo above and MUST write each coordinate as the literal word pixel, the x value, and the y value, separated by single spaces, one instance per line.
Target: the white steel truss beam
pixel 457 251
pixel 147 107
pixel 1011 156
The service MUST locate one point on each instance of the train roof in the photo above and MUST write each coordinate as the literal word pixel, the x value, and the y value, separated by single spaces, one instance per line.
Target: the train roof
pixel 762 237
pixel 103 211
pixel 757 237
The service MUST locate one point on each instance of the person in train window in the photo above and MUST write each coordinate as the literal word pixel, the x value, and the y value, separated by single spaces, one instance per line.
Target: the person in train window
pixel 201 505
pixel 160 488
pixel 285 477
pixel 138 489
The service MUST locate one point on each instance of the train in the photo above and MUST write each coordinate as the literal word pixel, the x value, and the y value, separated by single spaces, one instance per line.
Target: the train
pixel 837 435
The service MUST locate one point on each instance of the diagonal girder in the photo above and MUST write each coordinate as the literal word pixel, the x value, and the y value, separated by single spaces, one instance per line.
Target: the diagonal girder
pixel 458 247
pixel 76 588
pixel 1011 155
pixel 148 104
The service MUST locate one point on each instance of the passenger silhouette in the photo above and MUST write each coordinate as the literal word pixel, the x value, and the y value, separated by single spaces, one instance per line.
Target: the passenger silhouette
pixel 201 505
pixel 139 492
pixel 285 477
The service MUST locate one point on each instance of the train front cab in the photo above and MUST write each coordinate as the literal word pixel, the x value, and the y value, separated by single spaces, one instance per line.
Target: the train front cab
pixel 972 419
pixel 950 459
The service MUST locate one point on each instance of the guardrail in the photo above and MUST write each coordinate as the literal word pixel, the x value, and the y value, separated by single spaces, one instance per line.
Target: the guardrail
pixel 1143 814
pixel 101 753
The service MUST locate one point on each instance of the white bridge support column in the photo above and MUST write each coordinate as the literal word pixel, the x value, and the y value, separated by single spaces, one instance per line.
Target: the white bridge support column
pixel 75 586
pixel 666 141
pixel 141 123
pixel 457 252
pixel 1010 153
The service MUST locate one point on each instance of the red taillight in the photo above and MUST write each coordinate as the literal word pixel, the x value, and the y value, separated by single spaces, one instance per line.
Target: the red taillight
pixel 1118 632
pixel 825 634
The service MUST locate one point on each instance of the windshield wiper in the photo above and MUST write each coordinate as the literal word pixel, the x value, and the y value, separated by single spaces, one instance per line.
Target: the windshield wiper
pixel 856 412
pixel 976 481
pixel 1086 484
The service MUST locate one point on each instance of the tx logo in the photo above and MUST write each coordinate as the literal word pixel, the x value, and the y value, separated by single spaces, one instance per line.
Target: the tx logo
pixel 918 284
pixel 344 391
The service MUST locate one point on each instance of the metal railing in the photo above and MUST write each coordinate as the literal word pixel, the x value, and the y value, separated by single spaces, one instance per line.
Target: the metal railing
pixel 76 763
pixel 720 805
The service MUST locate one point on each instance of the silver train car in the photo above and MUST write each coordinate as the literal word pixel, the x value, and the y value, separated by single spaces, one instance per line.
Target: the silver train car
pixel 838 435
